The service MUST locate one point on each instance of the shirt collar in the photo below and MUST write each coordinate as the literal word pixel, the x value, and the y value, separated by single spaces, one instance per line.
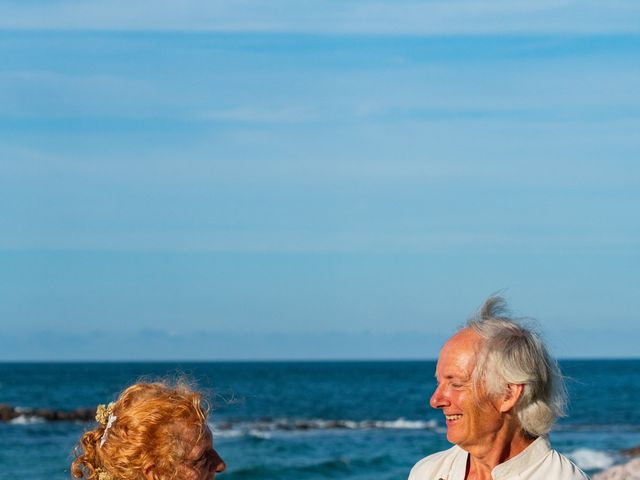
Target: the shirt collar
pixel 518 464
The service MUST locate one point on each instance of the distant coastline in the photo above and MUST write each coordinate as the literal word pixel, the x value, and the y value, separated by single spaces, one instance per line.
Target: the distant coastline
pixel 274 361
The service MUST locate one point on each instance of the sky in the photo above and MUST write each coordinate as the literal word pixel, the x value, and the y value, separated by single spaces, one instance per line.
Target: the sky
pixel 315 180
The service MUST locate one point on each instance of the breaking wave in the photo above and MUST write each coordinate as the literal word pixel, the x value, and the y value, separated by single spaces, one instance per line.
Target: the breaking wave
pixel 588 459
pixel 26 420
pixel 264 428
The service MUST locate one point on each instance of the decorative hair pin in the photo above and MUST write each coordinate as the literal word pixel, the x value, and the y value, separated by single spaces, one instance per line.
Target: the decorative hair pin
pixel 102 474
pixel 105 416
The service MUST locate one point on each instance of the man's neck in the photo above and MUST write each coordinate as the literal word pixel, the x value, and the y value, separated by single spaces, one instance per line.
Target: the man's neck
pixel 503 446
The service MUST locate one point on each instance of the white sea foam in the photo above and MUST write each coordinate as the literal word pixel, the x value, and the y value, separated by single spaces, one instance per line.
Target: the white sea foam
pixel 25 420
pixel 589 459
pixel 228 433
pixel 403 424
pixel 263 428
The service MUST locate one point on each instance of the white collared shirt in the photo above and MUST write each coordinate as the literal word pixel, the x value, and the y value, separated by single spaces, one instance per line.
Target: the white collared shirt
pixel 536 462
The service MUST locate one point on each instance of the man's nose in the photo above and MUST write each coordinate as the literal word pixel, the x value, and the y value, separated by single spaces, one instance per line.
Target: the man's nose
pixel 438 399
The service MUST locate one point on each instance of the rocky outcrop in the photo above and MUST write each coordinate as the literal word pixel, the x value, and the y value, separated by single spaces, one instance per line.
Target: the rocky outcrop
pixel 632 452
pixel 626 471
pixel 9 413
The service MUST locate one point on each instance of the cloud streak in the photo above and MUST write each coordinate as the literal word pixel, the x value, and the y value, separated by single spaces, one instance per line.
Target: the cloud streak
pixel 252 114
pixel 323 17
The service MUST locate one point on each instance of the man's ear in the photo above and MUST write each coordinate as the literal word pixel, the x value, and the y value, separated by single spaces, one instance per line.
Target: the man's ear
pixel 513 393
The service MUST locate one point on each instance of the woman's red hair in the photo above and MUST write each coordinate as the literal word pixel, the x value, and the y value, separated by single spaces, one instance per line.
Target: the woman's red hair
pixel 147 435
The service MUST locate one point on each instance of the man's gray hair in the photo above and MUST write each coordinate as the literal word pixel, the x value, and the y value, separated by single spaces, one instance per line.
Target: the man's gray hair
pixel 514 354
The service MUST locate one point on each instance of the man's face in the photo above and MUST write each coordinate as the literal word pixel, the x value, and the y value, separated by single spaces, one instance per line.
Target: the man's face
pixel 471 420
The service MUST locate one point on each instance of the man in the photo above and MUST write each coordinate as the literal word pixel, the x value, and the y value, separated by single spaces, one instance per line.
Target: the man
pixel 500 393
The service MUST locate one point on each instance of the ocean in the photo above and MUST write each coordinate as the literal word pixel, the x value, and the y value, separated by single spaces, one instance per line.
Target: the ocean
pixel 307 420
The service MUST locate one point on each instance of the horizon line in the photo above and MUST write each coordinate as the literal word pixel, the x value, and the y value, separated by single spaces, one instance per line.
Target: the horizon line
pixel 285 360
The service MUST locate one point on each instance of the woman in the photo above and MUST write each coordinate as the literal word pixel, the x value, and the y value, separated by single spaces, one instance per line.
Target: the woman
pixel 152 432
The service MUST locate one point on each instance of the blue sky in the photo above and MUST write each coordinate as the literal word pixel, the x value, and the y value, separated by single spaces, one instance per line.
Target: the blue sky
pixel 332 180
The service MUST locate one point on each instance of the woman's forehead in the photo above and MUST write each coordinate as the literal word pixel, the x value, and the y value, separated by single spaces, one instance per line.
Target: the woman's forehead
pixel 200 439
pixel 192 437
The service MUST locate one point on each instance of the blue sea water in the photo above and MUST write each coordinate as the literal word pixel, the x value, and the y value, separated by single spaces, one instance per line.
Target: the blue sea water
pixel 307 420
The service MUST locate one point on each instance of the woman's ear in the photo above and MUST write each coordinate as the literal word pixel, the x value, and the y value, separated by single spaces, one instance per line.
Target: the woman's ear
pixel 512 395
pixel 148 472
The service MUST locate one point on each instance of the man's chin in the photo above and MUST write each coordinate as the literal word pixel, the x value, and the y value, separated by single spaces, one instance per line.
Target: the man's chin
pixel 452 436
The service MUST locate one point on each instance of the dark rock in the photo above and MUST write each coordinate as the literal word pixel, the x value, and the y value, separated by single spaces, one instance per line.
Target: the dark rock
pixel 84 414
pixel 632 452
pixel 8 413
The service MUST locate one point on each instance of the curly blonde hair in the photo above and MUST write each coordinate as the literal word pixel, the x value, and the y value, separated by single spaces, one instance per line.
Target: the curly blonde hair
pixel 148 433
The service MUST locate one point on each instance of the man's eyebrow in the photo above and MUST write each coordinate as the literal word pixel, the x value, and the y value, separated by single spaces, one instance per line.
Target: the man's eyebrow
pixel 451 376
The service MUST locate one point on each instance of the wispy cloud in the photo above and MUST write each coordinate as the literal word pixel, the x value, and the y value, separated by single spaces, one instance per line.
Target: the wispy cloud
pixel 254 240
pixel 43 93
pixel 321 16
pixel 251 114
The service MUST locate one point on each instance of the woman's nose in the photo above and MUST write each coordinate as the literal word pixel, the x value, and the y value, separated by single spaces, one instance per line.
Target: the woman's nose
pixel 218 464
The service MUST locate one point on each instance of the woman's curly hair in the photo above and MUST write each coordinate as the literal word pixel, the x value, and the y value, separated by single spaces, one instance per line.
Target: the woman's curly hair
pixel 147 434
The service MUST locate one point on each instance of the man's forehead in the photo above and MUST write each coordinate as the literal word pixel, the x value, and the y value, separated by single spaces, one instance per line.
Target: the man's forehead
pixel 458 355
pixel 464 342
